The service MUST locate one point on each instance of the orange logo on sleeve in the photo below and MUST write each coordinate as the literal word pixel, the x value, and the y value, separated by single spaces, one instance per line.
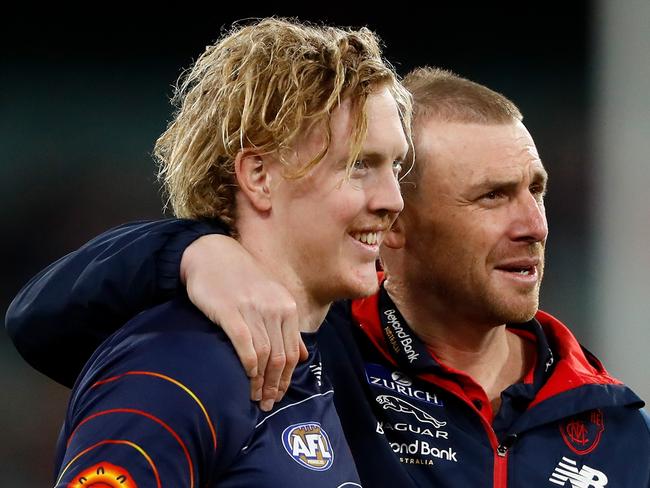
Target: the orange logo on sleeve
pixel 103 475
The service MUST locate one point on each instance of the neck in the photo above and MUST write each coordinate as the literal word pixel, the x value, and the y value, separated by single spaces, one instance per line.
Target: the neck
pixel 491 356
pixel 311 310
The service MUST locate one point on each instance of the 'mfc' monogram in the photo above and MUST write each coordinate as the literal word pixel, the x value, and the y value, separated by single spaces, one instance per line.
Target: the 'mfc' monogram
pixel 578 432
pixel 586 477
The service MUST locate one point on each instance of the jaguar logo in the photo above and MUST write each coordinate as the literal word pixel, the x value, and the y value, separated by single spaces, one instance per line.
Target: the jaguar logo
pixel 399 405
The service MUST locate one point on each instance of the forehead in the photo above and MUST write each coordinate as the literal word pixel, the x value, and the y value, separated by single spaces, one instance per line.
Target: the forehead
pixel 385 131
pixel 469 151
pixel 384 134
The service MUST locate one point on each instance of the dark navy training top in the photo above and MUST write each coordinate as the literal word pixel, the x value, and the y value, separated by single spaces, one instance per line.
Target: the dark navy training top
pixel 164 402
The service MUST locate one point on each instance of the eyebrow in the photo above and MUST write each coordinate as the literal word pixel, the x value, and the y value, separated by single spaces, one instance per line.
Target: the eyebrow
pixel 540 176
pixel 373 154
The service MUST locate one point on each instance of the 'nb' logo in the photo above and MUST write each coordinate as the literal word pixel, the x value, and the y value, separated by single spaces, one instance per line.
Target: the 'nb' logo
pixel 586 477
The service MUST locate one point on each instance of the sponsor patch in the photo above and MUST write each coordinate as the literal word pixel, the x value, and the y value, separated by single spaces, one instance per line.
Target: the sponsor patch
pixel 398 383
pixel 105 475
pixel 566 473
pixel 398 337
pixel 309 445
pixel 389 402
pixel 423 450
pixel 582 432
pixel 400 427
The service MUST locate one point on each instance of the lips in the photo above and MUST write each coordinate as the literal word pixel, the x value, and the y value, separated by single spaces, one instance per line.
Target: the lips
pixel 523 267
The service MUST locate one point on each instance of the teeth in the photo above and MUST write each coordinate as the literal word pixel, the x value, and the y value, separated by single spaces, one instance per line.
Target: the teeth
pixel 524 272
pixel 370 238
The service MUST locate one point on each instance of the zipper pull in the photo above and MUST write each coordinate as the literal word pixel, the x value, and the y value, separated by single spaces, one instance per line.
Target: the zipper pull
pixel 507 443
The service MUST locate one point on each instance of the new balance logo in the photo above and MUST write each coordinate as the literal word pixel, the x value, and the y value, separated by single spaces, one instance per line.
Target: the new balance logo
pixel 586 477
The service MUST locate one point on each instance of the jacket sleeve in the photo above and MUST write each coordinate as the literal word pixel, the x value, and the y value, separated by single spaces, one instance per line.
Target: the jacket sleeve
pixel 147 410
pixel 63 313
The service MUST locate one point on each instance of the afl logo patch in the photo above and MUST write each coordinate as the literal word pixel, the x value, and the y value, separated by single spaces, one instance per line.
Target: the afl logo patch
pixel 309 445
pixel 582 432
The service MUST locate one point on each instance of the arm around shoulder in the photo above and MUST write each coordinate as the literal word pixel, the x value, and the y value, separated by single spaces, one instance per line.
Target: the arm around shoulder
pixel 64 312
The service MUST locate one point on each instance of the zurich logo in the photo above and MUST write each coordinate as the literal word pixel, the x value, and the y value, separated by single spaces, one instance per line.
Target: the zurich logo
pixel 309 445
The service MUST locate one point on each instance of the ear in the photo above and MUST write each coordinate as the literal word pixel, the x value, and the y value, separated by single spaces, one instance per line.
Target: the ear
pixel 254 178
pixel 395 238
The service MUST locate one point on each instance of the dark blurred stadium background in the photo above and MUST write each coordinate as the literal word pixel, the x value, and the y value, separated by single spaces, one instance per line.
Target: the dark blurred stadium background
pixel 84 96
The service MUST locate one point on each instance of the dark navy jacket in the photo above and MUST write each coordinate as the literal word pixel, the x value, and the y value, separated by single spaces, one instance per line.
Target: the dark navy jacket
pixel 165 402
pixel 409 420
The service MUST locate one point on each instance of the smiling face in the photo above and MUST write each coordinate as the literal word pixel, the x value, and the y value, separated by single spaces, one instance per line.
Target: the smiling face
pixel 330 225
pixel 476 227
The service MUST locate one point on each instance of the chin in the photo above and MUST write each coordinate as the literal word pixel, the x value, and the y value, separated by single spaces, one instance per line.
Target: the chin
pixel 517 314
pixel 363 285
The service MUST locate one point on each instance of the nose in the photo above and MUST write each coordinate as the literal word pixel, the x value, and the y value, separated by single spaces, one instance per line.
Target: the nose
pixel 530 223
pixel 387 197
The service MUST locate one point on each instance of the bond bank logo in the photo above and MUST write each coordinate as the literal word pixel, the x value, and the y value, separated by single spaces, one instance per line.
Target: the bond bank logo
pixel 309 445
pixel 582 432
pixel 423 450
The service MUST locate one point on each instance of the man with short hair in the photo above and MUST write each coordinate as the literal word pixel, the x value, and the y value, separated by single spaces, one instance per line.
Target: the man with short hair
pixel 449 375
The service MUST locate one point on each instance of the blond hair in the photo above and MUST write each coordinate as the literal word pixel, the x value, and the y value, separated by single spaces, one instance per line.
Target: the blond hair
pixel 442 95
pixel 260 87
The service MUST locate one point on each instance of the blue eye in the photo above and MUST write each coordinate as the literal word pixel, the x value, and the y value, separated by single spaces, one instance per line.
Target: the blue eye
pixel 397 167
pixel 359 164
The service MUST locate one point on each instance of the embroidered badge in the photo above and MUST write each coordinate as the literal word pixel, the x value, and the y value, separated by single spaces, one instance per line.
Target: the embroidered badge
pixel 582 432
pixel 309 445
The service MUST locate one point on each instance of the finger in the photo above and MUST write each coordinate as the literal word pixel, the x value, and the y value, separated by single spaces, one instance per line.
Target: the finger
pixel 304 353
pixel 239 334
pixel 262 348
pixel 276 363
pixel 292 343
pixel 256 388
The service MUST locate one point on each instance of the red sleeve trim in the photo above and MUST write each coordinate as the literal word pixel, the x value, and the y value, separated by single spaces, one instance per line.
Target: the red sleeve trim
pixel 173 381
pixel 149 416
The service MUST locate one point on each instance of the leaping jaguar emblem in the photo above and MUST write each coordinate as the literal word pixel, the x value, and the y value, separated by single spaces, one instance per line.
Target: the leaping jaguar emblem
pixel 402 406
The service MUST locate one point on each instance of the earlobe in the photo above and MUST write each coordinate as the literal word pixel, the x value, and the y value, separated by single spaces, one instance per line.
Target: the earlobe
pixel 254 179
pixel 395 238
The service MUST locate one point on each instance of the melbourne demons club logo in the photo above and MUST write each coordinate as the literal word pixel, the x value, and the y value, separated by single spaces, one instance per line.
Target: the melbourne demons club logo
pixel 582 432
pixel 103 475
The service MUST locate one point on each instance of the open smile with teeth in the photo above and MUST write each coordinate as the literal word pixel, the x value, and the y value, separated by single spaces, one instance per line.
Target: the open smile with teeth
pixel 523 271
pixel 369 238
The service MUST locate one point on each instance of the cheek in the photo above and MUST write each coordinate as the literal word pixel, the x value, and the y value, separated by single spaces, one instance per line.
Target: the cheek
pixel 345 206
